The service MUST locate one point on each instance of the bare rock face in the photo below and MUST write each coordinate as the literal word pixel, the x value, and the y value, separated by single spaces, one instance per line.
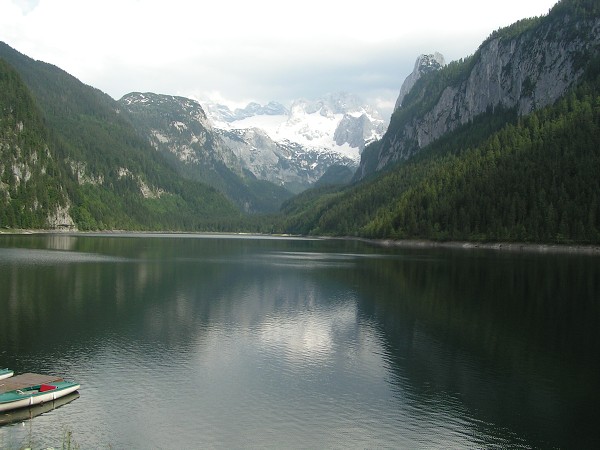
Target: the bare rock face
pixel 424 64
pixel 179 128
pixel 286 163
pixel 526 71
pixel 61 219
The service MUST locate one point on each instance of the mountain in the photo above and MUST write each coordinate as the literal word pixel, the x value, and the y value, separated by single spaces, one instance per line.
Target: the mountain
pixel 335 176
pixel 254 171
pixel 87 163
pixel 523 67
pixel 179 129
pixel 423 65
pixel 502 146
pixel 294 147
pixel 251 109
pixel 32 187
pixel 284 163
pixel 311 123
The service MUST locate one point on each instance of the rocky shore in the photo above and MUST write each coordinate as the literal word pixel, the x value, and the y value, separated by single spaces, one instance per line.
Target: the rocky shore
pixel 498 246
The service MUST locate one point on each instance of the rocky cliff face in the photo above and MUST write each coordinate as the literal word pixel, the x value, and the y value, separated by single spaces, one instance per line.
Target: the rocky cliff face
pixel 423 65
pixel 33 191
pixel 335 123
pixel 294 147
pixel 178 127
pixel 357 131
pixel 285 164
pixel 526 66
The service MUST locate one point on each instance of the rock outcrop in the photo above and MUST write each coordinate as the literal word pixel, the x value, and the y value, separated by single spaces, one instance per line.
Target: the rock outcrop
pixel 524 67
pixel 424 64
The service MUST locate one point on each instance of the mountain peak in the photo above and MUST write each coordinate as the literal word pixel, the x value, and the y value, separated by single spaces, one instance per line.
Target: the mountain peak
pixel 222 113
pixel 424 64
pixel 338 122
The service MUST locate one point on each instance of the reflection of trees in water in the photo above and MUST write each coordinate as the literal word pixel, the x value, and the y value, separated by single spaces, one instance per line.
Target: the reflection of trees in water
pixel 164 288
pixel 511 335
pixel 489 332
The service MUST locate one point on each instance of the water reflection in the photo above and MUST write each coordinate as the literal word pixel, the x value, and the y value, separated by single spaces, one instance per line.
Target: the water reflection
pixel 23 414
pixel 511 336
pixel 305 343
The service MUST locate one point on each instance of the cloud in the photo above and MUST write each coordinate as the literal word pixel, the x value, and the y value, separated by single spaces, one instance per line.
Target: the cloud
pixel 261 50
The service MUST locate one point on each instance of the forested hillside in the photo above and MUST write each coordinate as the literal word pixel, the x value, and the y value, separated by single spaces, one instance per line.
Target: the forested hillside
pixel 525 66
pixel 502 145
pixel 112 177
pixel 535 179
pixel 32 186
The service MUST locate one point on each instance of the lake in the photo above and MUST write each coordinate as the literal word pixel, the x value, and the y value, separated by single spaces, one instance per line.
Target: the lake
pixel 212 341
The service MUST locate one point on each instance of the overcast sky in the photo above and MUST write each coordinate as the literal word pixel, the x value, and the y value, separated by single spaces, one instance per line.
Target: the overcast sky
pixel 243 50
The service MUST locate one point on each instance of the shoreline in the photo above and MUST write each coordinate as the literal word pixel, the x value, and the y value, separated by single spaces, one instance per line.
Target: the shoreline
pixel 520 247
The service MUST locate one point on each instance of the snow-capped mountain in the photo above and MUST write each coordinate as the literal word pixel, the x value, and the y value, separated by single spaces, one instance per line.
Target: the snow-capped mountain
pixel 340 123
pixel 285 163
pixel 291 148
pixel 178 128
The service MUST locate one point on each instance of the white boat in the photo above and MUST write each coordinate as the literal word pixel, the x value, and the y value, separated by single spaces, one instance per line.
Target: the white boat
pixel 22 414
pixel 32 389
pixel 6 373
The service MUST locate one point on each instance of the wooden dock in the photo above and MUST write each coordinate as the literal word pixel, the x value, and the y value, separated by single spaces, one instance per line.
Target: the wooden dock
pixel 25 380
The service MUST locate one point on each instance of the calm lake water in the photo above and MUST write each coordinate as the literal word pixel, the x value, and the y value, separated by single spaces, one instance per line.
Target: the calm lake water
pixel 196 341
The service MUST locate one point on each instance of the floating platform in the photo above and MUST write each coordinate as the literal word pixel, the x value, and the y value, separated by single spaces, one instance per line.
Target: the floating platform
pixel 26 380
pixel 31 389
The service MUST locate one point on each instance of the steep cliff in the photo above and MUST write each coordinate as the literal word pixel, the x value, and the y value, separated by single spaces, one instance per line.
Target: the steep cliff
pixel 523 67
pixel 423 65
pixel 286 164
pixel 179 129
pixel 32 187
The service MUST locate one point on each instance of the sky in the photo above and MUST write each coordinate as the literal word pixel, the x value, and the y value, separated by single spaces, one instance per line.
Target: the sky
pixel 237 51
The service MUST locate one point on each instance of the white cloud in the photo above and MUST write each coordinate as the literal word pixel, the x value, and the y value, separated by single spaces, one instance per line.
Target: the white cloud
pixel 261 49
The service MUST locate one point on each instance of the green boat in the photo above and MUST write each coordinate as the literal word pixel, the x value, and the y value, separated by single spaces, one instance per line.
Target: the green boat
pixel 6 373
pixel 31 389
pixel 22 414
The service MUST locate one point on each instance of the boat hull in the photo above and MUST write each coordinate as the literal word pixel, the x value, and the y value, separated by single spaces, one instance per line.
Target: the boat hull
pixel 22 414
pixel 5 373
pixel 37 398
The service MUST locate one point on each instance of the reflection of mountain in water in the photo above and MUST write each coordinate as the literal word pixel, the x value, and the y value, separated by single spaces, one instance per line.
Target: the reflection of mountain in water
pixel 496 333
pixel 447 338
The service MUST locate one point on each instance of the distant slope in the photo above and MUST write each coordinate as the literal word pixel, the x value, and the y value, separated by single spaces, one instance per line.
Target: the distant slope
pixel 294 147
pixel 178 128
pixel 496 177
pixel 534 180
pixel 117 179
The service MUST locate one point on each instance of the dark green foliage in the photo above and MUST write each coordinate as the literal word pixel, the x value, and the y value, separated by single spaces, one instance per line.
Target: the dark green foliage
pixel 30 180
pixel 580 9
pixel 536 179
pixel 335 175
pixel 302 213
pixel 101 163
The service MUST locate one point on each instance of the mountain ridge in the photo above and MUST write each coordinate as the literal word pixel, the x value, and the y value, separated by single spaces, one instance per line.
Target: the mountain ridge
pixel 503 73
pixel 424 64
pixel 334 123
pixel 501 176
pixel 113 179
